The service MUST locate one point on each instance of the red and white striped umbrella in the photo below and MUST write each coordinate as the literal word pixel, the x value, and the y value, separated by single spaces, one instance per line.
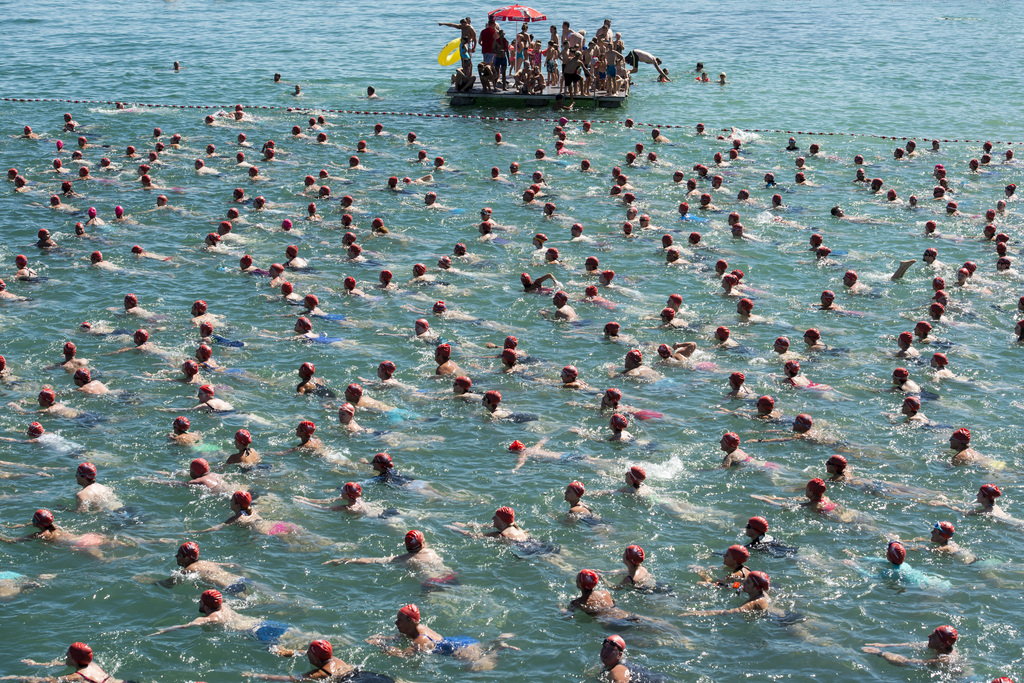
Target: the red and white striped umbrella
pixel 517 13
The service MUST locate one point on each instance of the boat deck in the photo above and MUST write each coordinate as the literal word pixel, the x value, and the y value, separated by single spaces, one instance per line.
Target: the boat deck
pixel 541 99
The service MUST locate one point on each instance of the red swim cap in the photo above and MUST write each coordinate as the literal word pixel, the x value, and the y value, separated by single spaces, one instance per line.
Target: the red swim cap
pixel 946 529
pixel 896 553
pixel 242 499
pixel 414 541
pixel 306 370
pixel 80 654
pixel 243 437
pixel 587 579
pixel 320 649
pixel 352 490
pixel 306 428
pixel 990 491
pixel 758 524
pixel 618 422
pixel 634 554
pixel 739 553
pixel 198 468
pixel 837 462
pixel 384 460
pixel 760 579
pixel 617 641
pixel 47 397
pixel 189 549
pixel 43 518
pixel 737 378
pixel 211 599
pixel 962 434
pixel 636 473
pixel 804 420
pixel 87 470
pixel 731 439
pixel 946 634
pixel 817 487
pixel 83 375
pixel 411 612
pixel 141 337
pixel 940 359
pixel 493 396
pixel 181 424
pixel 506 514
pixel 577 488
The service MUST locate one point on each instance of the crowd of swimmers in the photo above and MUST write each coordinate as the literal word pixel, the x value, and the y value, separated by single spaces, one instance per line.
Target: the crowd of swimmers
pixel 413 636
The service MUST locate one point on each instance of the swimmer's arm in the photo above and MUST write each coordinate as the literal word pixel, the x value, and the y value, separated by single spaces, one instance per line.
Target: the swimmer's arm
pixel 14 406
pixel 363 560
pixel 195 622
pixel 216 527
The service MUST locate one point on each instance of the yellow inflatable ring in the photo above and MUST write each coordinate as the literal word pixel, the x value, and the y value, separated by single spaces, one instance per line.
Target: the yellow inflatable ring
pixel 449 54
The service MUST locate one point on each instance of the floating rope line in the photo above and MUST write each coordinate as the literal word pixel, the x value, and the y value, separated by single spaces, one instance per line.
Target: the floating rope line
pixel 628 123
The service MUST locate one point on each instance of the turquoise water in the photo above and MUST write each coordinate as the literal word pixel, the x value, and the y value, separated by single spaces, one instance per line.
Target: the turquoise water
pixel 865 68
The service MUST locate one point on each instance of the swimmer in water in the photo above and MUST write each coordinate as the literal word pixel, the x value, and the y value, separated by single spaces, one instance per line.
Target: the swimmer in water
pixel 756 585
pixel 940 644
pixel 600 605
pixel 80 657
pixel 941 541
pixel 736 388
pixel 577 509
pixel 180 433
pixel 207 572
pixel 963 454
pixel 246 517
pixel 346 416
pixel 350 501
pixel 93 496
pixel 616 668
pixel 216 613
pixel 310 384
pixel 634 368
pixel 246 454
pixel 734 560
pixel 47 400
pixel 354 395
pixel 505 527
pixel 757 531
pixel 199 474
pixel 418 558
pixel 814 498
pixel 325 665
pixel 207 401
pixel 49 532
pixel 87 385
pixel 637 576
pixel 424 639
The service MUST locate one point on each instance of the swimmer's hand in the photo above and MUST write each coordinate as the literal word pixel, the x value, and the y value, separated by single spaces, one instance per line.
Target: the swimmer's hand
pixel 340 560
pixel 871 650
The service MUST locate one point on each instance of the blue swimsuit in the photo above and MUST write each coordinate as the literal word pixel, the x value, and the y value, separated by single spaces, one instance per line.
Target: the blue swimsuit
pixel 450 645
